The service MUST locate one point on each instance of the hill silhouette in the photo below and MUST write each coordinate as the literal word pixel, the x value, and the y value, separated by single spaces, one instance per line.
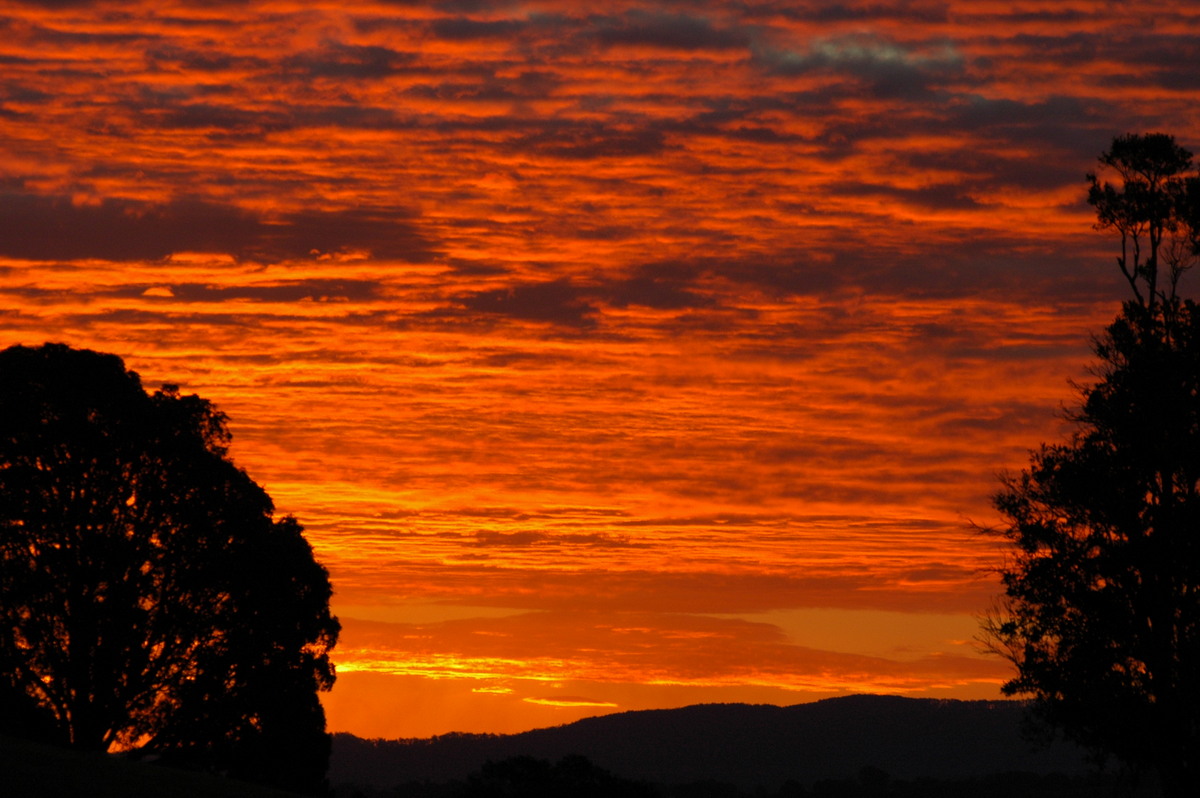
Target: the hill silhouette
pixel 748 746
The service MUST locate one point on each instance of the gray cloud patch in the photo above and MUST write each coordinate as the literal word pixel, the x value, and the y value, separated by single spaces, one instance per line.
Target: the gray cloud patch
pixel 522 539
pixel 557 302
pixel 584 141
pixel 286 291
pixel 666 30
pixel 659 286
pixel 462 29
pixel 890 69
pixel 171 56
pixel 50 228
pixel 350 61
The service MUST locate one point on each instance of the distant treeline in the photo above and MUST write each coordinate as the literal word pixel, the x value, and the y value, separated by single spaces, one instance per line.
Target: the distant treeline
pixel 577 777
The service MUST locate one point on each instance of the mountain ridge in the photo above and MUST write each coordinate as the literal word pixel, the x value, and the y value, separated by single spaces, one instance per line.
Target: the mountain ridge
pixel 748 745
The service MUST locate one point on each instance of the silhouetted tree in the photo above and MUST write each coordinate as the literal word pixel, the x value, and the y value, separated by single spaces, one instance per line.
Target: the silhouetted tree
pixel 148 598
pixel 1101 612
pixel 1154 208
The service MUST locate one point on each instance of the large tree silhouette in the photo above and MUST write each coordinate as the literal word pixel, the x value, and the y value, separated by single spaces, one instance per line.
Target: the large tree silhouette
pixel 148 598
pixel 1101 610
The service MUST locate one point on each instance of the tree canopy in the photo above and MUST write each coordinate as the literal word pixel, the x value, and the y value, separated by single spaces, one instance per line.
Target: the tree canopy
pixel 1101 607
pixel 149 599
pixel 1155 208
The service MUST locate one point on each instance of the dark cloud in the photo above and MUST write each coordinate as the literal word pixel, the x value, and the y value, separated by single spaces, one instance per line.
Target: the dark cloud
pixel 526 539
pixel 665 286
pixel 202 116
pixel 353 116
pixel 64 38
pixel 1048 118
pixel 889 69
pixel 696 592
pixel 666 30
pixel 784 273
pixel 1169 61
pixel 467 6
pixel 351 61
pixel 1072 49
pixel 282 292
pixel 968 263
pixel 584 141
pixel 529 84
pixel 384 232
pixel 989 172
pixel 463 29
pixel 49 228
pixel 558 302
pixel 821 11
pixel 964 263
pixel 15 92
pixel 172 56
pixel 935 197
pixel 287 291
pixel 56 3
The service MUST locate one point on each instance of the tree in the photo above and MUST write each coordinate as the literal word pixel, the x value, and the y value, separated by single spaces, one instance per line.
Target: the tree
pixel 1101 606
pixel 148 598
pixel 1154 208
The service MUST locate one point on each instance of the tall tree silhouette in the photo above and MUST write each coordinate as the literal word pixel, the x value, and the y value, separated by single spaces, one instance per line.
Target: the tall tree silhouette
pixel 148 598
pixel 1101 609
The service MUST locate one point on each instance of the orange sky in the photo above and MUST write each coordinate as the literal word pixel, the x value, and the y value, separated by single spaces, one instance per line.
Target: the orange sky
pixel 647 355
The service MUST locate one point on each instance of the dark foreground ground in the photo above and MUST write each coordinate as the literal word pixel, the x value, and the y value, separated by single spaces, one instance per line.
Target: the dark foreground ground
pixel 31 770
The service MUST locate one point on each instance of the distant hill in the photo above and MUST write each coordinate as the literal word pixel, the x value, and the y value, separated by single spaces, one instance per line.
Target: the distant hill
pixel 748 746
pixel 32 770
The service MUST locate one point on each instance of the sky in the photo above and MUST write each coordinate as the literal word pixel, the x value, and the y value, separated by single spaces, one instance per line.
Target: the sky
pixel 613 356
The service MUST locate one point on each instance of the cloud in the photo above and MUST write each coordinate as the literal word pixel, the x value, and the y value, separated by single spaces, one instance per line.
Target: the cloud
pixel 571 701
pixel 205 115
pixel 523 539
pixel 168 55
pixel 47 228
pixel 672 31
pixel 668 286
pixel 337 60
pixel 887 67
pixel 57 3
pixel 626 587
pixel 464 29
pixel 314 290
pixel 585 141
pixel 639 647
pixel 557 302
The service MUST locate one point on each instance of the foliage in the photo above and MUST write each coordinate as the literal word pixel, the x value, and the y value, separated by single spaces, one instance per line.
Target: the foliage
pixel 1155 208
pixel 1101 612
pixel 148 598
